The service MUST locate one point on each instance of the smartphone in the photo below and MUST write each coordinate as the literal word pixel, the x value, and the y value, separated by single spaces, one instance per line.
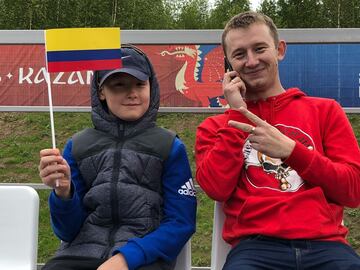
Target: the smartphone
pixel 228 68
pixel 227 65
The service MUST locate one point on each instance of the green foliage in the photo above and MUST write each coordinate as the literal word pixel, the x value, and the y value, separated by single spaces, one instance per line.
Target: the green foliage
pixel 225 10
pixel 43 14
pixel 172 14
pixel 47 241
pixel 270 8
pixel 201 240
pixel 135 14
pixel 193 15
pixel 312 13
pixel 308 13
pixel 341 13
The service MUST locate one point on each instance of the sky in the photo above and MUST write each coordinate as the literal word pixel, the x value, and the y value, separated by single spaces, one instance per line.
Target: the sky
pixel 254 3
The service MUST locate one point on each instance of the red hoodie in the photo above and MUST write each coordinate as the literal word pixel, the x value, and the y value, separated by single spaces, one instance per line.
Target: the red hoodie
pixel 321 176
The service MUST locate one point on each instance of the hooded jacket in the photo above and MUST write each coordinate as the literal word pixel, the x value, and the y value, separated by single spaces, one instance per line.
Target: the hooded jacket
pixel 126 178
pixel 322 174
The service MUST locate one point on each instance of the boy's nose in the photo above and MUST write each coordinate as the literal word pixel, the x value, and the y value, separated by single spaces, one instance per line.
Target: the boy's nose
pixel 132 93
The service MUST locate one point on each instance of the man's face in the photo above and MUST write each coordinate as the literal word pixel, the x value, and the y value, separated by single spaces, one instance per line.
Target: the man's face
pixel 252 53
pixel 127 97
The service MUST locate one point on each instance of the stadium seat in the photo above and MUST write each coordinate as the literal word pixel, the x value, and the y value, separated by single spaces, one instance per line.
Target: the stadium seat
pixel 219 248
pixel 183 261
pixel 19 217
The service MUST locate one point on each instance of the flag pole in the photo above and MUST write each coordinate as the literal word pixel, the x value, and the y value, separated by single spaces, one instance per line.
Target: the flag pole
pixel 76 49
pixel 51 111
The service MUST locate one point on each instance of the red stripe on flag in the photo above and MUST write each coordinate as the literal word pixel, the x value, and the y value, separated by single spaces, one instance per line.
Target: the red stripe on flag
pixel 84 65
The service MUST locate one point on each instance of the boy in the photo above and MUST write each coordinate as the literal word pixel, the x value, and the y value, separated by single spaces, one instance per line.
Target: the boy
pixel 115 203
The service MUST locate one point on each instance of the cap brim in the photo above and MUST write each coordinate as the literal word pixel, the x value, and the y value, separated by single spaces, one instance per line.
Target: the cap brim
pixel 133 72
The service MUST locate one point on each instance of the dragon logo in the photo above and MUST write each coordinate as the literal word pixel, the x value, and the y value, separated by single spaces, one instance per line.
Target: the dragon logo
pixel 200 76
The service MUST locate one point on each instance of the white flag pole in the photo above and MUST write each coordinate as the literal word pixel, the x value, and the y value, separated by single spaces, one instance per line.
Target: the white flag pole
pixel 51 111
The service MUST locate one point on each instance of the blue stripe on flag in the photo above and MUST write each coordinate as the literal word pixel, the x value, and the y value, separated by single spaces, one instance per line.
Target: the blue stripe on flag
pixel 64 56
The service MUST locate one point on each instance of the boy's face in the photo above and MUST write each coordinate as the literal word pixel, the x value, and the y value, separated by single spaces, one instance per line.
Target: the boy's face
pixel 126 96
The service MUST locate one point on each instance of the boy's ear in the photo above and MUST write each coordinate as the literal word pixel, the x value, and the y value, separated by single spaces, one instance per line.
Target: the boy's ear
pixel 101 94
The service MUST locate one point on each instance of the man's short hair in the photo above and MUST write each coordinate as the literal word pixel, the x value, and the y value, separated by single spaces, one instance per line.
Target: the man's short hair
pixel 244 20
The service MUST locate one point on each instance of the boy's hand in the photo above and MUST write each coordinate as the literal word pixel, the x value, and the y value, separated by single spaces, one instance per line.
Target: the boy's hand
pixel 54 172
pixel 234 90
pixel 116 262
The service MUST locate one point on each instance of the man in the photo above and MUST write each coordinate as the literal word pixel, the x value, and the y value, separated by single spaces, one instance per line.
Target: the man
pixel 284 164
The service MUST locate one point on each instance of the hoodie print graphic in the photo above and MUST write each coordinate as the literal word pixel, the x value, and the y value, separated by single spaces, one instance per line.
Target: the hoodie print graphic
pixel 267 172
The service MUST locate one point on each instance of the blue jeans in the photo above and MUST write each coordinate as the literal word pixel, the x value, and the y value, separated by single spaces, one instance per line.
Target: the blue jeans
pixel 268 253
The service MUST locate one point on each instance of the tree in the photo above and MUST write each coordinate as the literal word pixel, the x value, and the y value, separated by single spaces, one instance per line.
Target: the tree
pixel 172 14
pixel 341 13
pixel 269 8
pixel 224 10
pixel 173 8
pixel 16 14
pixel 136 14
pixel 194 15
pixel 43 14
pixel 300 13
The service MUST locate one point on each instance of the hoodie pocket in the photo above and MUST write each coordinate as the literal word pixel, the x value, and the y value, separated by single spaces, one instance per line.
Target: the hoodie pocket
pixel 304 214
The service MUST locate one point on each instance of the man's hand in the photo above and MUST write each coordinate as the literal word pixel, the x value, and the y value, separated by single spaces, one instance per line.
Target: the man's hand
pixel 234 90
pixel 116 262
pixel 54 172
pixel 264 137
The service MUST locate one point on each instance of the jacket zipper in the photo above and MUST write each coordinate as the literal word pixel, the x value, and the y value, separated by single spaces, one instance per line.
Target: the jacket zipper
pixel 113 194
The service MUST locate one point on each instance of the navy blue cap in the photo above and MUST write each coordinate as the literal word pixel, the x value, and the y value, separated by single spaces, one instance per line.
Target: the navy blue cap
pixel 133 63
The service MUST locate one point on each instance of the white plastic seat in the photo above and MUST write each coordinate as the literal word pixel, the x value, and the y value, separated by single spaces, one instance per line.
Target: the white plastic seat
pixel 183 261
pixel 219 248
pixel 19 217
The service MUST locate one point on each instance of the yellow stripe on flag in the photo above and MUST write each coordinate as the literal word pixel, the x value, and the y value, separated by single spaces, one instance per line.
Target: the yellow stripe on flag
pixel 69 39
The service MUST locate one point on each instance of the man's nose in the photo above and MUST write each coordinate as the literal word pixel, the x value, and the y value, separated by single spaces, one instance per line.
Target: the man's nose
pixel 251 60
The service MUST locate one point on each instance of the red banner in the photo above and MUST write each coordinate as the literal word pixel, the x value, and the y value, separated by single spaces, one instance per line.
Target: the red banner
pixel 189 76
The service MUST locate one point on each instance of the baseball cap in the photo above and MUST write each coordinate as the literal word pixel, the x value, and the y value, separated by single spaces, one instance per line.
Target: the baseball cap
pixel 133 63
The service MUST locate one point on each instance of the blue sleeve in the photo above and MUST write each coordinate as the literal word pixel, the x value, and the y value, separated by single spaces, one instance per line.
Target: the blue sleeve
pixel 67 216
pixel 179 208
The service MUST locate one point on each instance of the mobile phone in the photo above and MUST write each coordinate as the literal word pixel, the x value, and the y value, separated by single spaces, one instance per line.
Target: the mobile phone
pixel 228 68
pixel 227 65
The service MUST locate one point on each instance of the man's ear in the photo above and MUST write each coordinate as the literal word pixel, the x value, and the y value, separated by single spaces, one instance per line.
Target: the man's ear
pixel 281 50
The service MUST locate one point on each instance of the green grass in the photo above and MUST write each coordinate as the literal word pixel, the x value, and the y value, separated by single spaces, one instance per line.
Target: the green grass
pixel 47 240
pixel 22 135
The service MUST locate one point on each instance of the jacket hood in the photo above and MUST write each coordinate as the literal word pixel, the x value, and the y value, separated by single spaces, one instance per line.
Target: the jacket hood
pixel 106 122
pixel 267 109
pixel 280 100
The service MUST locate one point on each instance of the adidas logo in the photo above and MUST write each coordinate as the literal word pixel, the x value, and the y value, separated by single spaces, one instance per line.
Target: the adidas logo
pixel 188 188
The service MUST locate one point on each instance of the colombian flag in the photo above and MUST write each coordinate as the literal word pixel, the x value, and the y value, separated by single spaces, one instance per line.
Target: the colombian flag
pixel 73 49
